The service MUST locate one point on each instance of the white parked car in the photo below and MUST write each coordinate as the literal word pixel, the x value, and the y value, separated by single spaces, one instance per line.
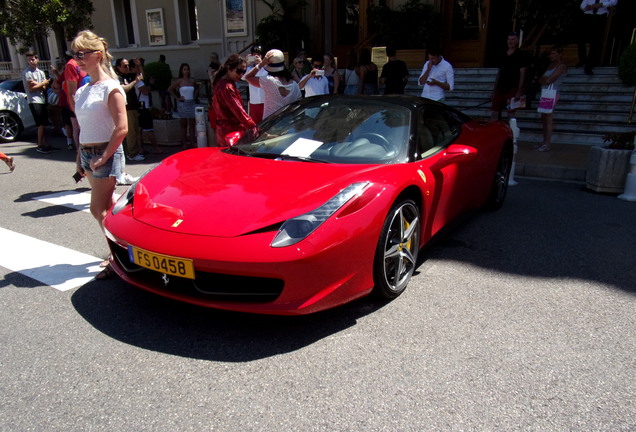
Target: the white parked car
pixel 15 115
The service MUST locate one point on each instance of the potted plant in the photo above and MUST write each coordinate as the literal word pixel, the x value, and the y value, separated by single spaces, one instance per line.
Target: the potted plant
pixel 609 164
pixel 283 28
pixel 627 72
pixel 619 140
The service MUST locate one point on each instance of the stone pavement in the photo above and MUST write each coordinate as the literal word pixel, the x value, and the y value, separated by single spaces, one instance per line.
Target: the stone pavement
pixel 566 162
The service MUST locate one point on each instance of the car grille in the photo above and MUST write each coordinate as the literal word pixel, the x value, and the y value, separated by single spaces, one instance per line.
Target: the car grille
pixel 205 286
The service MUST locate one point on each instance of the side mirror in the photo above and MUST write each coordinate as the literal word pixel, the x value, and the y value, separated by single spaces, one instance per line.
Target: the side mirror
pixel 234 137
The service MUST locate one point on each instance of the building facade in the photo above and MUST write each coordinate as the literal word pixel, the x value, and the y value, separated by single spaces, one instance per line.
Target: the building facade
pixel 188 31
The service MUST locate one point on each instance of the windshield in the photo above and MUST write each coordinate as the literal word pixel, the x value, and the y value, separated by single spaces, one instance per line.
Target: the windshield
pixel 360 131
pixel 12 85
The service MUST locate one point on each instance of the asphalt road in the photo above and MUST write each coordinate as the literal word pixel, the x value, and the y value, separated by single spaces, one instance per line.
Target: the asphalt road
pixel 519 320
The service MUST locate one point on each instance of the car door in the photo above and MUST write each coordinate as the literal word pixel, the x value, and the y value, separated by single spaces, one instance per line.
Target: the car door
pixel 447 160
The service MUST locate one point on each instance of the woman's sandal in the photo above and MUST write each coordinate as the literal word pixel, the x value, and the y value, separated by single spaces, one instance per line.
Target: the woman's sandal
pixel 544 148
pixel 107 273
pixel 10 163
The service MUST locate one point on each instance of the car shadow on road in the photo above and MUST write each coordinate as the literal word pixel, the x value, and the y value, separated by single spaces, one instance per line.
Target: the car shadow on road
pixel 151 322
pixel 558 233
pixel 548 230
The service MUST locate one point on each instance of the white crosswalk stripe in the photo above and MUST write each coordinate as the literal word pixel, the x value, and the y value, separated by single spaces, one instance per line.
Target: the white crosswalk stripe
pixel 57 266
pixel 53 265
pixel 72 199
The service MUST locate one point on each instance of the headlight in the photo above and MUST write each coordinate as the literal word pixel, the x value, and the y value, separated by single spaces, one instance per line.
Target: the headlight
pixel 125 199
pixel 296 229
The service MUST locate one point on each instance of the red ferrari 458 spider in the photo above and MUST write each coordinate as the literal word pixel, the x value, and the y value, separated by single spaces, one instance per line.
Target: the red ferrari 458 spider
pixel 330 198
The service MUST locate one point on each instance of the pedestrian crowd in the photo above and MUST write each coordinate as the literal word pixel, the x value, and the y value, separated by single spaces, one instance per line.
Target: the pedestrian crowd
pixel 273 84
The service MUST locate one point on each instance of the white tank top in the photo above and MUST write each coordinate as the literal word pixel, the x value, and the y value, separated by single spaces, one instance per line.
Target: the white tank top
pixel 187 92
pixel 91 108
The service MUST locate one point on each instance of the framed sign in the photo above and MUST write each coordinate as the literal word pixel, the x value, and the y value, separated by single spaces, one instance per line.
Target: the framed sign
pixel 235 19
pixel 156 32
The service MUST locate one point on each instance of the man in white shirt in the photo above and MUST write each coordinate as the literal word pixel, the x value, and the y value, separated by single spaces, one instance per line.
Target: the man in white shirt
pixel 256 95
pixel 591 27
pixel 35 84
pixel 315 83
pixel 437 76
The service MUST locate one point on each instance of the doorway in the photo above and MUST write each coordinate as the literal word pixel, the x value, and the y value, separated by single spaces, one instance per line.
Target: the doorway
pixel 465 43
pixel 350 29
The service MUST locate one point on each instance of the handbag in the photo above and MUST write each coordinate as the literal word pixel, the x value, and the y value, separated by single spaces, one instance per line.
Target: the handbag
pixel 52 98
pixel 548 99
pixel 516 104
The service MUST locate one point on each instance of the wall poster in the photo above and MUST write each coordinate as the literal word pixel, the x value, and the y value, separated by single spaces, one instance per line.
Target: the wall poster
pixel 235 19
pixel 156 32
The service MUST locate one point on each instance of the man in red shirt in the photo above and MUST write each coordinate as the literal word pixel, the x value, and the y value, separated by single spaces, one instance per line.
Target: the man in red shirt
pixel 62 102
pixel 72 80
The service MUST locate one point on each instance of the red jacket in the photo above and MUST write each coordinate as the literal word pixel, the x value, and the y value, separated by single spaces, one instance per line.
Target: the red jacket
pixel 229 114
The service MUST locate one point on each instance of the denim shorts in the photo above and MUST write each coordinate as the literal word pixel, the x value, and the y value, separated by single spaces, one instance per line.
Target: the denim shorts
pixel 113 167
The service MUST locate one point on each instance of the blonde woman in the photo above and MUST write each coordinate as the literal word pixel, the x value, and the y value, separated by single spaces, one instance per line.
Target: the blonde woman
pixel 297 70
pixel 100 107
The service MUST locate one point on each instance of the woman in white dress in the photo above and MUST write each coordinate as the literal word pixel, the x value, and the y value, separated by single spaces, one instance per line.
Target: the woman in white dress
pixel 186 90
pixel 552 76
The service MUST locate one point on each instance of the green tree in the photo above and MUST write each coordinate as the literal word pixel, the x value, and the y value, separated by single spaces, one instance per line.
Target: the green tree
pixel 414 25
pixel 283 29
pixel 547 21
pixel 627 66
pixel 22 21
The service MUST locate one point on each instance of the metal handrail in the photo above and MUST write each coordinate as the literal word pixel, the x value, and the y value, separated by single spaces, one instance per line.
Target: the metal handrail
pixel 631 110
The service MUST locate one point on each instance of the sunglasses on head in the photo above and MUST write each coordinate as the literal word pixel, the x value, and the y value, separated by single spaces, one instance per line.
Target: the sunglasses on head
pixel 239 71
pixel 81 54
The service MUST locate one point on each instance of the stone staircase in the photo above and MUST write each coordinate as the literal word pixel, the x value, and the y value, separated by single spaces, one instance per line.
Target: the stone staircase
pixel 589 105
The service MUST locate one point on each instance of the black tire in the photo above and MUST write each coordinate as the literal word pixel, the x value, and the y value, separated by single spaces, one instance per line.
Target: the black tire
pixel 10 126
pixel 500 182
pixel 398 247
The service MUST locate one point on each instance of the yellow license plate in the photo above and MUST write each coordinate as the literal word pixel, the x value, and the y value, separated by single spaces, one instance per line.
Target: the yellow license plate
pixel 162 263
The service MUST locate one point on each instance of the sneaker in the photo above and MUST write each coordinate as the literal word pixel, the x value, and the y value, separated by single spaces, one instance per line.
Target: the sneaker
pixel 126 179
pixel 45 150
pixel 138 158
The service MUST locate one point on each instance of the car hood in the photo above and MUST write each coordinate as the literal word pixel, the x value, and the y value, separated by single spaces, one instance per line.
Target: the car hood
pixel 209 192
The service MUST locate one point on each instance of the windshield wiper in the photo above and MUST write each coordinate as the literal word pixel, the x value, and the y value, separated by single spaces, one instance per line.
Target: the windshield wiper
pixel 237 150
pixel 278 156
